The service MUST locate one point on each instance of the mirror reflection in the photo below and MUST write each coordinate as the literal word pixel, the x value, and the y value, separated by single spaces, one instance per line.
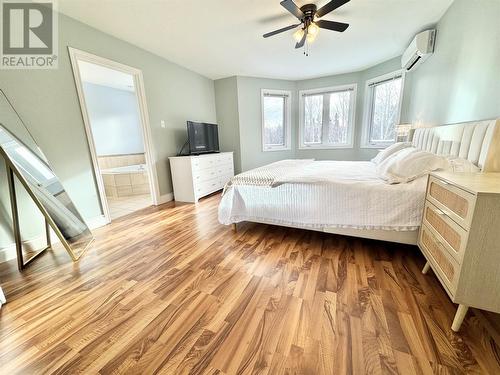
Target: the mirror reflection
pixel 26 158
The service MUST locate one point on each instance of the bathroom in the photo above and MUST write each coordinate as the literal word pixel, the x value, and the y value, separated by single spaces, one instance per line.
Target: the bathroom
pixel 117 135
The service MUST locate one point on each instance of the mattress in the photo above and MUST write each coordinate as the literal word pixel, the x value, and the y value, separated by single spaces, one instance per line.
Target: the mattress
pixel 328 194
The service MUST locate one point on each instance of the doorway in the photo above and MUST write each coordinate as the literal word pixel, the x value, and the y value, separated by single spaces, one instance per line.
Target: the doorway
pixel 114 110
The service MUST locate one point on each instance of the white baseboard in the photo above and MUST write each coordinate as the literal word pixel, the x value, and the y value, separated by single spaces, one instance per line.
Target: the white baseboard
pixel 9 252
pixel 166 198
pixel 97 222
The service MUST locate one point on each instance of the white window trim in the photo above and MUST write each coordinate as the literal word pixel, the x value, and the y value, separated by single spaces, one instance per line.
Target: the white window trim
pixel 368 108
pixel 352 117
pixel 288 120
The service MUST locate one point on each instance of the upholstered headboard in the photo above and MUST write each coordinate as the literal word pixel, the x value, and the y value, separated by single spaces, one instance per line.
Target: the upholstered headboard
pixel 478 142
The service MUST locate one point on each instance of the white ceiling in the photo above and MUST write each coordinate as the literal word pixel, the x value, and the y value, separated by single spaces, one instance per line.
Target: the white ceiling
pixel 221 38
pixel 100 75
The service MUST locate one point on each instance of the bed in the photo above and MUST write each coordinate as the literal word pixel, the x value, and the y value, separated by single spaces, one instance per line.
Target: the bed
pixel 348 197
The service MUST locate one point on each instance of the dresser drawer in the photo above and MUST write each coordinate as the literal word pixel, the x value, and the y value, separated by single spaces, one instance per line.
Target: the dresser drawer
pixel 209 186
pixel 456 203
pixel 449 233
pixel 205 174
pixel 210 173
pixel 446 268
pixel 223 170
pixel 203 162
pixel 225 159
pixel 226 166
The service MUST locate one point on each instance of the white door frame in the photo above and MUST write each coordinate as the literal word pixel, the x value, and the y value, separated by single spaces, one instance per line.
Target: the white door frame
pixel 78 55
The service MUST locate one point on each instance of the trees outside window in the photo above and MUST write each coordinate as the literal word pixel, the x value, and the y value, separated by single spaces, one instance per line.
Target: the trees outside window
pixel 327 117
pixel 275 120
pixel 383 105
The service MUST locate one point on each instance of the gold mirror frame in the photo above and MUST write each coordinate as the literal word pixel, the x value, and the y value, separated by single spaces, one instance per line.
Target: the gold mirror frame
pixel 75 245
pixel 12 171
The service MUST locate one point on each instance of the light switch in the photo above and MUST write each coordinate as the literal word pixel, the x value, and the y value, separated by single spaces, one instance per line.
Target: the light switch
pixel 162 124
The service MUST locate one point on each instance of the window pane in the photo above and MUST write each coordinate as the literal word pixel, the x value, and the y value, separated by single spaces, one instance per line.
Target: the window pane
pixel 386 97
pixel 338 122
pixel 327 118
pixel 274 120
pixel 313 118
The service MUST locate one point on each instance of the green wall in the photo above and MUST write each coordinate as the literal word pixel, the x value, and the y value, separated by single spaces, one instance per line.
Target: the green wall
pixel 246 114
pixel 48 103
pixel 461 81
pixel 250 119
pixel 226 104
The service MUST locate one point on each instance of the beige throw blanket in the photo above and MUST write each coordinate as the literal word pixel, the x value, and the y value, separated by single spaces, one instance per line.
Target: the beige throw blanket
pixel 268 175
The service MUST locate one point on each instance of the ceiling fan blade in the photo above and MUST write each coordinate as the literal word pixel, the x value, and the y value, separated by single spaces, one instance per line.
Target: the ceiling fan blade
pixel 332 5
pixel 301 43
pixel 283 29
pixel 292 8
pixel 332 25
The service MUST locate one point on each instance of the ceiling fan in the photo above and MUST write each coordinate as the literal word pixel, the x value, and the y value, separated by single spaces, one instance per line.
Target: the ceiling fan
pixel 310 24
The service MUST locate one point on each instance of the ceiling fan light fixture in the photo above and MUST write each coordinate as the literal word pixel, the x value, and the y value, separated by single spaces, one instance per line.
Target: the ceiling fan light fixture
pixel 310 38
pixel 297 35
pixel 309 16
pixel 313 29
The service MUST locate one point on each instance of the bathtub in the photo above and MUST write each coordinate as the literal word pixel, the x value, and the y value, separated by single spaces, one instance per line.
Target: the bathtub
pixel 138 168
pixel 125 181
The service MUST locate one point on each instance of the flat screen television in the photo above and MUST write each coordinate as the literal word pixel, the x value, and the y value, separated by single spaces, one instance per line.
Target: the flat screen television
pixel 203 138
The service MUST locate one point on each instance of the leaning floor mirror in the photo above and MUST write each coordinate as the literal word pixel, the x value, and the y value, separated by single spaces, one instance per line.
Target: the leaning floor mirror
pixel 27 167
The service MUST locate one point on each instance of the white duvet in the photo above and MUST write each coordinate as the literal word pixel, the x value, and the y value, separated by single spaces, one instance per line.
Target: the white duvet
pixel 319 194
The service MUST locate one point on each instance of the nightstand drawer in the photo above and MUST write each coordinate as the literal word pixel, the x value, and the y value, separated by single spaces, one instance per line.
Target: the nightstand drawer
pixel 456 203
pixel 447 231
pixel 443 264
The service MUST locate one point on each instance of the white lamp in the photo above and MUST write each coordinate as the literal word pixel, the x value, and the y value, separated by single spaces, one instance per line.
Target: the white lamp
pixel 402 132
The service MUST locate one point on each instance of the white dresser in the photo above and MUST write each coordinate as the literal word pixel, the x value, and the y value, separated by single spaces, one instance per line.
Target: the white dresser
pixel 194 177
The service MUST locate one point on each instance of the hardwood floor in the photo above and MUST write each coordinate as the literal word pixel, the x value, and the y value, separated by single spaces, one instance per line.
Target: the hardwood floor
pixel 169 290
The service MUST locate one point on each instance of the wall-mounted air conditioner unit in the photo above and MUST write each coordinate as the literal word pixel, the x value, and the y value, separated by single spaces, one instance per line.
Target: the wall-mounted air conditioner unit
pixel 421 47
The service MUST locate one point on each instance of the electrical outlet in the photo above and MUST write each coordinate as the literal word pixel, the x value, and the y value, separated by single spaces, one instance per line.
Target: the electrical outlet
pixel 162 124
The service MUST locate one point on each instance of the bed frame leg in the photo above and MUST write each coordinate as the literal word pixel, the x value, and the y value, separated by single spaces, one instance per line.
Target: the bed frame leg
pixel 234 226
pixel 426 268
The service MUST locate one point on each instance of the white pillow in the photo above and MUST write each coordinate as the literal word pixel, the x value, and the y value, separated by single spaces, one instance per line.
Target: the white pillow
pixel 384 154
pixel 409 164
pixel 462 165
